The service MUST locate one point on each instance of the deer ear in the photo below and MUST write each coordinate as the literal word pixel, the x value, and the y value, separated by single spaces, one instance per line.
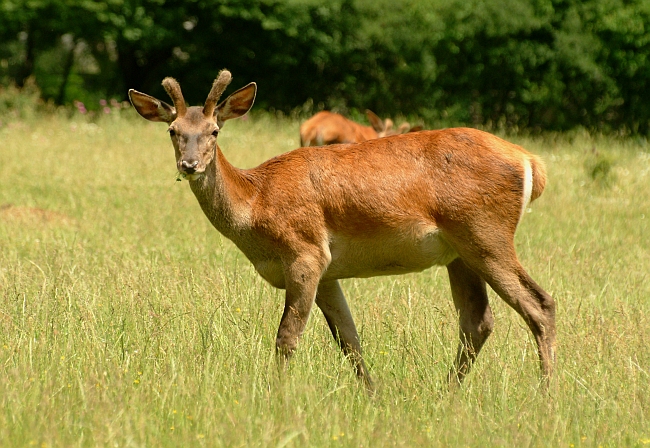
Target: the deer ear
pixel 237 104
pixel 404 127
pixel 151 108
pixel 375 121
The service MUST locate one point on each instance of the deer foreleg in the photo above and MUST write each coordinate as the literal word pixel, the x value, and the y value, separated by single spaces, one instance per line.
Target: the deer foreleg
pixel 301 281
pixel 331 301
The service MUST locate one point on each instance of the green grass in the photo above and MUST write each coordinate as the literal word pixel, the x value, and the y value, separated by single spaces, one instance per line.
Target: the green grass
pixel 126 320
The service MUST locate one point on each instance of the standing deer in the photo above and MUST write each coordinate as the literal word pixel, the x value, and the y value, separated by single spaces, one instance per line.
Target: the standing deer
pixel 327 128
pixel 312 216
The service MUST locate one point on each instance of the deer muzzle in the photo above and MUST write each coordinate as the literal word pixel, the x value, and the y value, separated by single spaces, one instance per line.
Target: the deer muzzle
pixel 189 166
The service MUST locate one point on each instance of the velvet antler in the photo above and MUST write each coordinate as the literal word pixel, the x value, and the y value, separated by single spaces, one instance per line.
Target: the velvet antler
pixel 174 91
pixel 218 87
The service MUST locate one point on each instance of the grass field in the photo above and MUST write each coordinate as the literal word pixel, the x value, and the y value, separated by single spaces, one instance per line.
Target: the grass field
pixel 126 320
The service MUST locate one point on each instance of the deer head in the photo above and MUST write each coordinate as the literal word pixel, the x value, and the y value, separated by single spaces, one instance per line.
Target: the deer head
pixel 194 130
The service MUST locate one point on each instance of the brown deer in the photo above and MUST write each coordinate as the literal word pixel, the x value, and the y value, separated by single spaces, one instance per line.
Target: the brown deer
pixel 328 128
pixel 312 216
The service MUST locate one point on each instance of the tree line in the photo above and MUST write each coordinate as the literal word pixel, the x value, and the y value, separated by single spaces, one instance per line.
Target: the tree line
pixel 509 64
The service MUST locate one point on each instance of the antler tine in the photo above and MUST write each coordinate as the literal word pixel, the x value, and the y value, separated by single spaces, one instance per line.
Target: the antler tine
pixel 218 86
pixel 174 91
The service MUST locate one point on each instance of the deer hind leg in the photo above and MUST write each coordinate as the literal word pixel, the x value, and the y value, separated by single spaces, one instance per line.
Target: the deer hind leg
pixel 512 283
pixel 331 301
pixel 474 315
pixel 537 308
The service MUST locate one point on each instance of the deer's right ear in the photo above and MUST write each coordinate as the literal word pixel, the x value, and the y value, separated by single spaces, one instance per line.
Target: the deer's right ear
pixel 375 121
pixel 237 104
pixel 151 108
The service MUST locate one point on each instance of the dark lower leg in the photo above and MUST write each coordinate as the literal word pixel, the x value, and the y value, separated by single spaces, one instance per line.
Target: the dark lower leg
pixel 474 315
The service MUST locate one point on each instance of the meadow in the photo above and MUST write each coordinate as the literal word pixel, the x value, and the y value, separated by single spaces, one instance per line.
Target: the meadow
pixel 127 320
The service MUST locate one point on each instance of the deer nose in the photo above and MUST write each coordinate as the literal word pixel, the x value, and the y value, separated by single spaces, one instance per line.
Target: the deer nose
pixel 189 166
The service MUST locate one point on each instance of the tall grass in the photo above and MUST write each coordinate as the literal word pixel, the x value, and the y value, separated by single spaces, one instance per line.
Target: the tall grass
pixel 126 320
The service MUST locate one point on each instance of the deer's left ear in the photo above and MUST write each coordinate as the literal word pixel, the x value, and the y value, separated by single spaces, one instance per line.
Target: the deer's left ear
pixel 151 108
pixel 237 104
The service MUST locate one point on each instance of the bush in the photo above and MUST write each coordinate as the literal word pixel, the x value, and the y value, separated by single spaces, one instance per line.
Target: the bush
pixel 500 64
pixel 18 103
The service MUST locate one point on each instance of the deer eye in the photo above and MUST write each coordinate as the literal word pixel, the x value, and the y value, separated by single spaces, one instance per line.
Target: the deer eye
pixel 172 132
pixel 215 132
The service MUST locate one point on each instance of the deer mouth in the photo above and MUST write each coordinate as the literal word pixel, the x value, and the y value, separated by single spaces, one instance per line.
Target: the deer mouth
pixel 190 170
pixel 189 176
pixel 194 176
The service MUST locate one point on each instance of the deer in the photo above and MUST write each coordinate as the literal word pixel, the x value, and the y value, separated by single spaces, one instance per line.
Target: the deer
pixel 327 128
pixel 312 216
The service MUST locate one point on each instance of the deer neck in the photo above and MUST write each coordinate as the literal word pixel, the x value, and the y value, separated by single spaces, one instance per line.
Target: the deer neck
pixel 224 194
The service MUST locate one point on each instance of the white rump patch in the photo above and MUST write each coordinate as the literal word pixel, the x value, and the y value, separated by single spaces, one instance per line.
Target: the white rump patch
pixel 528 187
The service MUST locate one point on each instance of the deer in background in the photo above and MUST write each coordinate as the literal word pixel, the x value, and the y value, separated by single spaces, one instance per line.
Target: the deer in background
pixel 327 128
pixel 310 217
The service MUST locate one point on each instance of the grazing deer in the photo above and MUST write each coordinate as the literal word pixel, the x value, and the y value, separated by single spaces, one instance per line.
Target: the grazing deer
pixel 328 128
pixel 312 216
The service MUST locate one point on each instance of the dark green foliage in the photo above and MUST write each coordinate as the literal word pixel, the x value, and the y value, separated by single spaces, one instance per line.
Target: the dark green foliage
pixel 506 64
pixel 18 103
